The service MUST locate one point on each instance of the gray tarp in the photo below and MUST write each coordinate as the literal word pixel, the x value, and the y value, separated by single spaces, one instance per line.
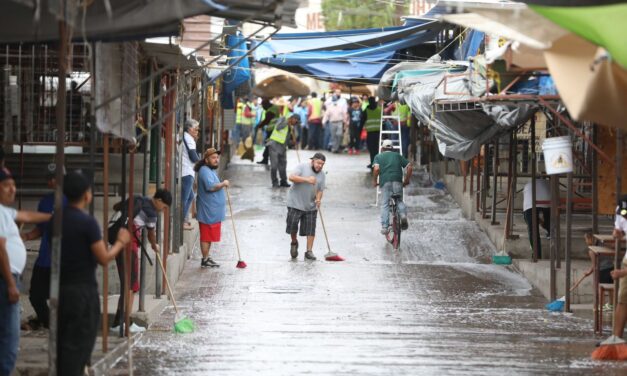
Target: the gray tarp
pixel 460 130
pixel 35 21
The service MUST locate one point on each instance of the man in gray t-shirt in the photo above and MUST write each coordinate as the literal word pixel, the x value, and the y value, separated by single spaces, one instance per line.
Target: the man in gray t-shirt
pixel 303 201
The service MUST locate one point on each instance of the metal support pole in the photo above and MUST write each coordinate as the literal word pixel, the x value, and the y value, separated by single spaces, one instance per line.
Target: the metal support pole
pixel 105 235
pixel 55 265
pixel 145 183
pixel 484 183
pixel 595 183
pixel 510 187
pixel 569 221
pixel 619 189
pixel 514 184
pixel 553 249
pixel 495 170
pixel 158 169
pixel 534 209
pixel 169 132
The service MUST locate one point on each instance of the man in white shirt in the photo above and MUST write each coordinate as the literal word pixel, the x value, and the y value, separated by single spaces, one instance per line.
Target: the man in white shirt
pixel 620 229
pixel 12 262
pixel 336 115
pixel 543 193
pixel 189 158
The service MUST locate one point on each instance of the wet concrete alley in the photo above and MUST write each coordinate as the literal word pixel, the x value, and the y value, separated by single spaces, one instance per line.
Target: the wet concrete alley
pixel 436 307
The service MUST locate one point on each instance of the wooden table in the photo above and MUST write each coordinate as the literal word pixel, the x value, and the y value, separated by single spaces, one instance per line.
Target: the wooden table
pixel 599 251
pixel 604 238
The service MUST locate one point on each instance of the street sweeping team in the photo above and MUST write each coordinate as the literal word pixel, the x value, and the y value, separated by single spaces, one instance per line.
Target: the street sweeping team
pixel 314 125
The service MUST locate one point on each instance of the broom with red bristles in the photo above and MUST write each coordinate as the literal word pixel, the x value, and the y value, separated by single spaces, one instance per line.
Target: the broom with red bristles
pixel 240 263
pixel 613 348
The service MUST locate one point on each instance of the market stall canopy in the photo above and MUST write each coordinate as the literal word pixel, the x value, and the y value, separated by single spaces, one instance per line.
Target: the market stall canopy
pixel 444 95
pixel 600 22
pixel 281 85
pixel 326 56
pixel 115 20
pixel 171 55
pixel 596 94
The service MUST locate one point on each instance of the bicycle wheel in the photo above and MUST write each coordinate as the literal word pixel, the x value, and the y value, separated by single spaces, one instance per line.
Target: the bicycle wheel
pixel 397 230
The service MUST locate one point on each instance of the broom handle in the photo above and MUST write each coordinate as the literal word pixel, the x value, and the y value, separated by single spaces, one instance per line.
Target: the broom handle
pixel 167 284
pixel 578 282
pixel 324 230
pixel 228 199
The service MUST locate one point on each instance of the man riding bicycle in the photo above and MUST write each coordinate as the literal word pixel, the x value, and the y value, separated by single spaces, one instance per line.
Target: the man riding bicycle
pixel 388 167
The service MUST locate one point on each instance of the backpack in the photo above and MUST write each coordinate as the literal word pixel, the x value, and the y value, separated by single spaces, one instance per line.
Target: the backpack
pixel 119 218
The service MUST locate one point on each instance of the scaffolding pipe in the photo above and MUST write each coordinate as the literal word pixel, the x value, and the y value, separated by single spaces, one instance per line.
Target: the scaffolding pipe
pixel 569 222
pixel 534 208
pixel 57 224
pixel 495 170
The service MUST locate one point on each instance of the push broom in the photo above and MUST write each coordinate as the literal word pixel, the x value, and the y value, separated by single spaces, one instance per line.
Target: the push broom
pixel 182 324
pixel 240 263
pixel 558 305
pixel 330 255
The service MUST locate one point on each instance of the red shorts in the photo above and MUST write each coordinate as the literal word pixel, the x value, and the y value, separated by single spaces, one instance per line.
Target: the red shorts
pixel 210 233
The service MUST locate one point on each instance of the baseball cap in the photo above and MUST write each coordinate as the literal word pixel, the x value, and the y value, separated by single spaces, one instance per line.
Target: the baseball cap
pixel 387 144
pixel 5 174
pixel 319 156
pixel 622 207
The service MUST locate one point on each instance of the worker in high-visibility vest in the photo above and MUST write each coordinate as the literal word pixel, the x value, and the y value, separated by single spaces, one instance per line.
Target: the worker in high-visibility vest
pixel 236 134
pixel 314 120
pixel 372 124
pixel 271 113
pixel 277 148
pixel 249 112
pixel 404 113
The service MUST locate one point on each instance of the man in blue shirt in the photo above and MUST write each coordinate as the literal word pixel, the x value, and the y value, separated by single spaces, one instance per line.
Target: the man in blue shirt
pixel 210 204
pixel 40 280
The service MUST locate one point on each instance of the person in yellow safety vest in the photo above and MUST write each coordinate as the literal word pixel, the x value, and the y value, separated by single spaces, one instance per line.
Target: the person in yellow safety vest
pixel 277 148
pixel 236 134
pixel 314 121
pixel 271 113
pixel 404 113
pixel 372 123
pixel 249 113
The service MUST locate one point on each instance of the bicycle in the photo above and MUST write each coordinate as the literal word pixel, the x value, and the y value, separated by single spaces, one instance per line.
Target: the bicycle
pixel 394 231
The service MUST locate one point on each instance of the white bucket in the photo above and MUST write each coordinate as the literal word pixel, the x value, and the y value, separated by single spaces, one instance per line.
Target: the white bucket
pixel 558 155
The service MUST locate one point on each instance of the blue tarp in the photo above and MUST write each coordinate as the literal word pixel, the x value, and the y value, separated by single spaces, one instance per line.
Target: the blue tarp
pixel 237 75
pixel 327 56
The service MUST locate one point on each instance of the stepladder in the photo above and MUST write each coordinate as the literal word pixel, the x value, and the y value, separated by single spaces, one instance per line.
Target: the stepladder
pixel 389 129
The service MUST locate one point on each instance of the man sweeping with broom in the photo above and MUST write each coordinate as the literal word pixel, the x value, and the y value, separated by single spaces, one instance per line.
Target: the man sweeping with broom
pixel 303 202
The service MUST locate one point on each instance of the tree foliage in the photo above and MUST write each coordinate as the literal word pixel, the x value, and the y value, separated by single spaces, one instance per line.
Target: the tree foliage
pixel 362 14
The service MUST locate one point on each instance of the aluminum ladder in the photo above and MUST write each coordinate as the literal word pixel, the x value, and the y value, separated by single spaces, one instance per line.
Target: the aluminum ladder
pixel 396 143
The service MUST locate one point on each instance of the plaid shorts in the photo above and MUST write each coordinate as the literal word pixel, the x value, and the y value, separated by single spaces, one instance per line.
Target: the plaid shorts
pixel 307 221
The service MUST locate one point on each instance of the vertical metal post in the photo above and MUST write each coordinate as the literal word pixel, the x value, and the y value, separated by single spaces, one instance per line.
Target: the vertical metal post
pixel 569 220
pixel 514 181
pixel 92 124
pixel 495 173
pixel 619 189
pixel 553 249
pixel 127 255
pixel 169 125
pixel 105 219
pixel 145 183
pixel 158 276
pixel 534 209
pixel 595 183
pixel 55 265
pixel 484 182
pixel 472 177
pixel 510 200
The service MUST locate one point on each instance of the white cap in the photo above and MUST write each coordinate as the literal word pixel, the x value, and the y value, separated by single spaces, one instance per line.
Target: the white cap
pixel 386 144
